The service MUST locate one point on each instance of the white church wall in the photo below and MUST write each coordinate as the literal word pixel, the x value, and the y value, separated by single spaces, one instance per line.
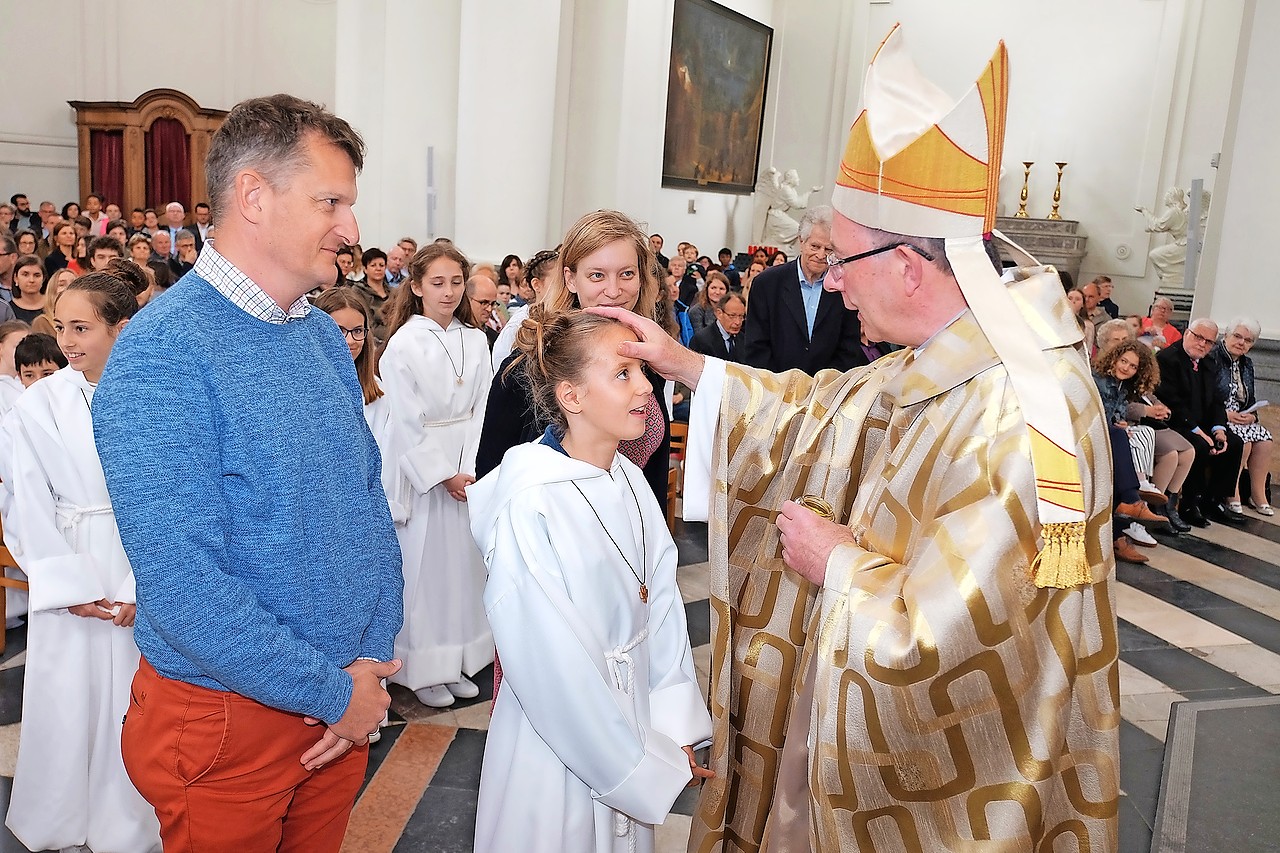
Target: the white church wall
pixel 110 50
pixel 397 83
pixel 1236 274
pixel 1130 93
pixel 614 124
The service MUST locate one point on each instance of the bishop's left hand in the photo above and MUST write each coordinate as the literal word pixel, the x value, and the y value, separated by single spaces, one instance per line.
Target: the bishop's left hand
pixel 808 540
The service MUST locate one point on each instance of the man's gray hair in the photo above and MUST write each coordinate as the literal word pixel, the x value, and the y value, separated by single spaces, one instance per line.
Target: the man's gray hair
pixel 1253 326
pixel 1166 300
pixel 8 243
pixel 1205 321
pixel 267 135
pixel 184 234
pixel 820 215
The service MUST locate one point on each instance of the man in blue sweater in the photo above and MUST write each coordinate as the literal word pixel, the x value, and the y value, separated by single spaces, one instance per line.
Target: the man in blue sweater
pixel 247 490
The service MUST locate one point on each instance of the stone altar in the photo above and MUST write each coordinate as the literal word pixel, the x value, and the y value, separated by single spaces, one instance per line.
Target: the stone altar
pixel 1051 241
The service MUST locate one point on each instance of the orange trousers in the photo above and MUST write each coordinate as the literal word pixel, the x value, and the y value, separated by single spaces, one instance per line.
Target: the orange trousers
pixel 223 774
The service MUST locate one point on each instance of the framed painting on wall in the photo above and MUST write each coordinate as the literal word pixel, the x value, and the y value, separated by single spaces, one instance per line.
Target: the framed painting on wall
pixel 715 98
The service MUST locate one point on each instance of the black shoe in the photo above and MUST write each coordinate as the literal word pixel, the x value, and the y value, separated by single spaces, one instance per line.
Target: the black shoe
pixel 1176 525
pixel 1222 514
pixel 1192 515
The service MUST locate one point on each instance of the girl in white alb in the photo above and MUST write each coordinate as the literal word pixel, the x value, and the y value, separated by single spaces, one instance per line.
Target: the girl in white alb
pixel 70 787
pixel 593 732
pixel 436 373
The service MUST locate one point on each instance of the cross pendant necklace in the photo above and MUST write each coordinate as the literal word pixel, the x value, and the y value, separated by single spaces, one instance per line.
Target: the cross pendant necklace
pixel 644 548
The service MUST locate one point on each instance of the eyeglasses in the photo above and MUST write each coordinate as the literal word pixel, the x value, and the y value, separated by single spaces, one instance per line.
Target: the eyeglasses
pixel 835 266
pixel 489 303
pixel 357 334
pixel 1200 337
pixel 733 317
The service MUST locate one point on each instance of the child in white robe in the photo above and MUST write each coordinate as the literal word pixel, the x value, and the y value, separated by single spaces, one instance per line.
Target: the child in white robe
pixel 436 372
pixel 11 332
pixel 593 734
pixel 70 787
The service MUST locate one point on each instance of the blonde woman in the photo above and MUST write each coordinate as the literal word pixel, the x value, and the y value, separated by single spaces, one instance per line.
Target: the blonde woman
pixel 605 260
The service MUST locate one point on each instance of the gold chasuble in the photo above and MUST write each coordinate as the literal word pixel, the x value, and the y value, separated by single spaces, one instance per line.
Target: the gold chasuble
pixel 936 698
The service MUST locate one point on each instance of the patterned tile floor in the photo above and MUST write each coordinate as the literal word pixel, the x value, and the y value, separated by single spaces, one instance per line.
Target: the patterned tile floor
pixel 1201 621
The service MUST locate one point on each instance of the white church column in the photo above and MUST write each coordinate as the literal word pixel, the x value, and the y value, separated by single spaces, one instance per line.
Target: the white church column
pixel 506 112
pixel 397 83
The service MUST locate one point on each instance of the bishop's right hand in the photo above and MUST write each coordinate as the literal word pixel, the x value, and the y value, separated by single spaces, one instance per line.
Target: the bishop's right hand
pixel 662 352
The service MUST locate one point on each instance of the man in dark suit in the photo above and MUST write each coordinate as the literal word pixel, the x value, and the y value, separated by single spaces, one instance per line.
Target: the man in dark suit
pixel 792 322
pixel 720 339
pixel 1189 387
pixel 203 217
pixel 175 217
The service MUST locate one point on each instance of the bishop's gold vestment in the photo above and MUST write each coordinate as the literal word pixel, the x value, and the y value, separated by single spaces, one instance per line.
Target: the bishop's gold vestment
pixel 932 697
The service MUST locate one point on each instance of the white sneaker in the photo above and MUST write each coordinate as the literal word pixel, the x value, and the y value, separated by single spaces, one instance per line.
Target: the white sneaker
pixel 435 696
pixel 463 688
pixel 1139 534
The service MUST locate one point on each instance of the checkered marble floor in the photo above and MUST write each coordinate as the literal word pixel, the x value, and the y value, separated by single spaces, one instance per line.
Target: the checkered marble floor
pixel 1201 621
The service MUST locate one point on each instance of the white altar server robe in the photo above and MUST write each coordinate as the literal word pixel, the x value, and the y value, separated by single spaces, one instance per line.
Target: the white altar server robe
pixel 433 433
pixel 15 600
pixel 599 692
pixel 70 786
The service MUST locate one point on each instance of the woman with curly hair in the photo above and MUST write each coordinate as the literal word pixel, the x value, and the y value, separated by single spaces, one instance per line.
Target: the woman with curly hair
pixel 1126 375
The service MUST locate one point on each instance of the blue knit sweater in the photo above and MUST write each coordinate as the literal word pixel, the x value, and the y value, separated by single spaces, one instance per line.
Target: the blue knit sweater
pixel 247 490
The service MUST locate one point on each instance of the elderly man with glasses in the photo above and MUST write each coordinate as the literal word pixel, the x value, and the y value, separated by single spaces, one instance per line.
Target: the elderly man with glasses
pixel 1190 387
pixel 793 321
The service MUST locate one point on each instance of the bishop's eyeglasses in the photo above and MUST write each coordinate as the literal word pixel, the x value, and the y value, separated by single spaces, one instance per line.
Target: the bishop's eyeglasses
pixel 835 266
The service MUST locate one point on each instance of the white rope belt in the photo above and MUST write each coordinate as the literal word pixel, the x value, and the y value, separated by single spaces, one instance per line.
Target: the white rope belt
pixel 623 826
pixel 70 515
pixel 461 419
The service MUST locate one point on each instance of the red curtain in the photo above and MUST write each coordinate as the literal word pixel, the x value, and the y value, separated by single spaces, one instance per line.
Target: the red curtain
pixel 168 164
pixel 106 164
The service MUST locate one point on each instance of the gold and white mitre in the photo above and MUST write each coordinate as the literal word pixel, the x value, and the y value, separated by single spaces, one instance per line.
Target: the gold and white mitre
pixel 922 164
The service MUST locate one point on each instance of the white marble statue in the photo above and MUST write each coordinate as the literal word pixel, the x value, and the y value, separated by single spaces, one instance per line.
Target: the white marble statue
pixel 779 207
pixel 1170 259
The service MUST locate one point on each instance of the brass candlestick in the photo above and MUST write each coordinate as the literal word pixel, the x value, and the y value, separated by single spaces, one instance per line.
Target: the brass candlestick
pixel 1057 193
pixel 1022 199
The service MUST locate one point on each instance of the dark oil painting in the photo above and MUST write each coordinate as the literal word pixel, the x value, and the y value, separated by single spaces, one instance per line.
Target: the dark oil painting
pixel 715 98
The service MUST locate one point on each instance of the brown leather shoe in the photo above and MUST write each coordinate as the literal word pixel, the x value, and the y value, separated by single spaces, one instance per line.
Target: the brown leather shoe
pixel 1139 511
pixel 1127 552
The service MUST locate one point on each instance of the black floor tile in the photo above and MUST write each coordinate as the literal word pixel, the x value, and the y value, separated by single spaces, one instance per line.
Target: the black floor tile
pixel 1135 832
pixel 1141 763
pixel 443 822
pixel 691 542
pixel 1233 561
pixel 1182 670
pixel 15 642
pixel 460 766
pixel 698 615
pixel 1262 529
pixel 1133 638
pixel 11 695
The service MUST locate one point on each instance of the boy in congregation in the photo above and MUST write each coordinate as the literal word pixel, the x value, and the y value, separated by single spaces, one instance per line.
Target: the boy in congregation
pixel 36 357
